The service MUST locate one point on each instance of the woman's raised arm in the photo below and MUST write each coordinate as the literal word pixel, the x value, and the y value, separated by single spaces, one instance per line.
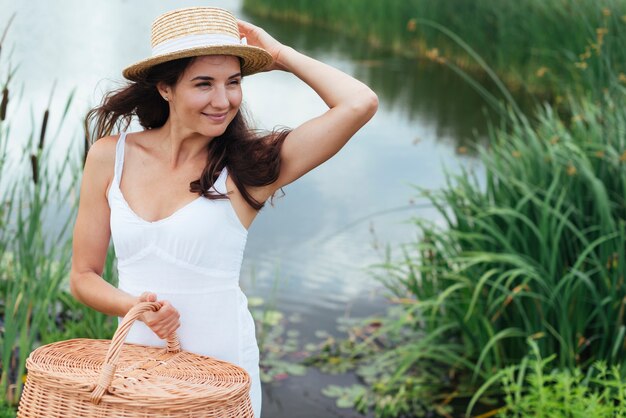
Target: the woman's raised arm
pixel 351 104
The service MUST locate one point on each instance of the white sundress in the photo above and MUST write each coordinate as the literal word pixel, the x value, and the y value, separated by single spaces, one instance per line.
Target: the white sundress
pixel 192 259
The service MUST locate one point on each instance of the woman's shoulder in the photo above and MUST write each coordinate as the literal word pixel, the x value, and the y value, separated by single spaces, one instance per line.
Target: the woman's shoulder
pixel 100 163
pixel 102 151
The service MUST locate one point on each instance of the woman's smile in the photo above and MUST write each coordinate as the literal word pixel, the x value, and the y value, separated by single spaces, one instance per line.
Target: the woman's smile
pixel 216 117
pixel 208 95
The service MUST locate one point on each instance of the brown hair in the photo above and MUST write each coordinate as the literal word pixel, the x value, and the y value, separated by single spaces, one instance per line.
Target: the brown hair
pixel 252 159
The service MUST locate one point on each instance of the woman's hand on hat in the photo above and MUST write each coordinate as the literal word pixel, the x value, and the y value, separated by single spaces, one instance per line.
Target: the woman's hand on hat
pixel 256 36
pixel 163 322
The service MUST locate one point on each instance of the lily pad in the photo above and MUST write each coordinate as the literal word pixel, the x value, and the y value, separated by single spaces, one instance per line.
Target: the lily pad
pixel 272 317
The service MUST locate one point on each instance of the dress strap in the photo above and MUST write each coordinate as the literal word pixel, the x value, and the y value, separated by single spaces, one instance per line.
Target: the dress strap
pixel 119 158
pixel 219 185
pixel 220 182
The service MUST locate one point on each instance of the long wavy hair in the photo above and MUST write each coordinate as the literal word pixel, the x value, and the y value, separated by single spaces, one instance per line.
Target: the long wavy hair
pixel 252 158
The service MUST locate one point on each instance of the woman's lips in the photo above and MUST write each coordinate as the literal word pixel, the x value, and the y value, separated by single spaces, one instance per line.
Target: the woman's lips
pixel 216 117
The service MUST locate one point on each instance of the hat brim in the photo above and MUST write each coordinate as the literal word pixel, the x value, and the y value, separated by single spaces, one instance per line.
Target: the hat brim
pixel 254 59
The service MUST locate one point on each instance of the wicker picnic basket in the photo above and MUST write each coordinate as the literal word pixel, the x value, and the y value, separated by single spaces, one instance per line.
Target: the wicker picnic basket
pixel 86 378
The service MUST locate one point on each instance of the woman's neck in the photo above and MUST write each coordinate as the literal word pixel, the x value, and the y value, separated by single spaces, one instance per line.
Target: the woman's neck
pixel 180 146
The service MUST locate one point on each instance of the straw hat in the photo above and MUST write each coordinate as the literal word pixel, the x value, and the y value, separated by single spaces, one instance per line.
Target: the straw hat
pixel 196 31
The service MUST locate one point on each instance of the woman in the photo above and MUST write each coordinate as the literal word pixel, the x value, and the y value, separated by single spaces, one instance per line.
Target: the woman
pixel 178 197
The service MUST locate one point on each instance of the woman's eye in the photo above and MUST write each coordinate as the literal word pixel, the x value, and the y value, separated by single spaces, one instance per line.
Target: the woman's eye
pixel 203 85
pixel 235 82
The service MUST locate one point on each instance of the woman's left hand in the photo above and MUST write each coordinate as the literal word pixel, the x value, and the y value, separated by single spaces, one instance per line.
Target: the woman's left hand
pixel 256 36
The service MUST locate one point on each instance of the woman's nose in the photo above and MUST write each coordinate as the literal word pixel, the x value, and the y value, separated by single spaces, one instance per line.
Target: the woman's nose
pixel 220 98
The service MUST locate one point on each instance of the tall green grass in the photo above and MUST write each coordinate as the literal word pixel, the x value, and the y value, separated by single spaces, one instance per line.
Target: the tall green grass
pixel 33 264
pixel 536 250
pixel 37 204
pixel 529 43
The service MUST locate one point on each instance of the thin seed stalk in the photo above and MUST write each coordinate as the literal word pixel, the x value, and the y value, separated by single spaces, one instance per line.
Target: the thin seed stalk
pixel 44 125
pixel 34 167
pixel 4 103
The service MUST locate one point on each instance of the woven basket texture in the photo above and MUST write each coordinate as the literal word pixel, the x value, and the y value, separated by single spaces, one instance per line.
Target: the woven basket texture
pixel 110 378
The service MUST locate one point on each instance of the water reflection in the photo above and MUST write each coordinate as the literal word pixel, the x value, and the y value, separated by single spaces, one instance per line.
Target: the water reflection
pixel 418 89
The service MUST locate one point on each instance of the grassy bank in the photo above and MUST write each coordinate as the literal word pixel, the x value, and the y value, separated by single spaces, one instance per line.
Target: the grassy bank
pixel 518 296
pixel 529 43
pixel 536 253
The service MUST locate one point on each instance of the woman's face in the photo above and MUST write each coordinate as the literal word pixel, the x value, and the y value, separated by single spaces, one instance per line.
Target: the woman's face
pixel 207 96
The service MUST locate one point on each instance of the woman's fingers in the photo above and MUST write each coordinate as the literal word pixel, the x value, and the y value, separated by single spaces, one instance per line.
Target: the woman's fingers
pixel 166 328
pixel 163 322
pixel 248 29
pixel 165 313
pixel 168 310
pixel 256 36
pixel 168 319
pixel 148 297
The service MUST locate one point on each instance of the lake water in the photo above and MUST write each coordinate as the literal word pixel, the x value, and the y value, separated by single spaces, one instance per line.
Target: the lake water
pixel 315 245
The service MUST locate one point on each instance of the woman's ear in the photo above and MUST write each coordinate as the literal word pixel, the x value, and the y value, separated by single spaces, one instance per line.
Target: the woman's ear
pixel 164 90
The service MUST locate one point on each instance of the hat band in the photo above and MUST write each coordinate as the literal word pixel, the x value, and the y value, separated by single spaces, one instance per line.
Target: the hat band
pixel 194 41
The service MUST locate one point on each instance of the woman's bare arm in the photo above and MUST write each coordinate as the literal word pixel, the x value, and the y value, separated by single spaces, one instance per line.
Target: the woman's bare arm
pixel 92 233
pixel 351 104
pixel 90 243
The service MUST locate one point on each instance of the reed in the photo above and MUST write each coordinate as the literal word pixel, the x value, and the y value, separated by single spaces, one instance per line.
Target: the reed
pixel 34 264
pixel 529 43
pixel 34 254
pixel 534 252
pixel 537 250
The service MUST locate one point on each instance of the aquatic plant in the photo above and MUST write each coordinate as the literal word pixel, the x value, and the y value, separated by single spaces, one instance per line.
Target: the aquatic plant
pixel 535 388
pixel 537 250
pixel 529 43
pixel 36 208
pixel 33 263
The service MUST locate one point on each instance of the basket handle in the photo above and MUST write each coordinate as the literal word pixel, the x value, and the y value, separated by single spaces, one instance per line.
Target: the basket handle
pixel 117 343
